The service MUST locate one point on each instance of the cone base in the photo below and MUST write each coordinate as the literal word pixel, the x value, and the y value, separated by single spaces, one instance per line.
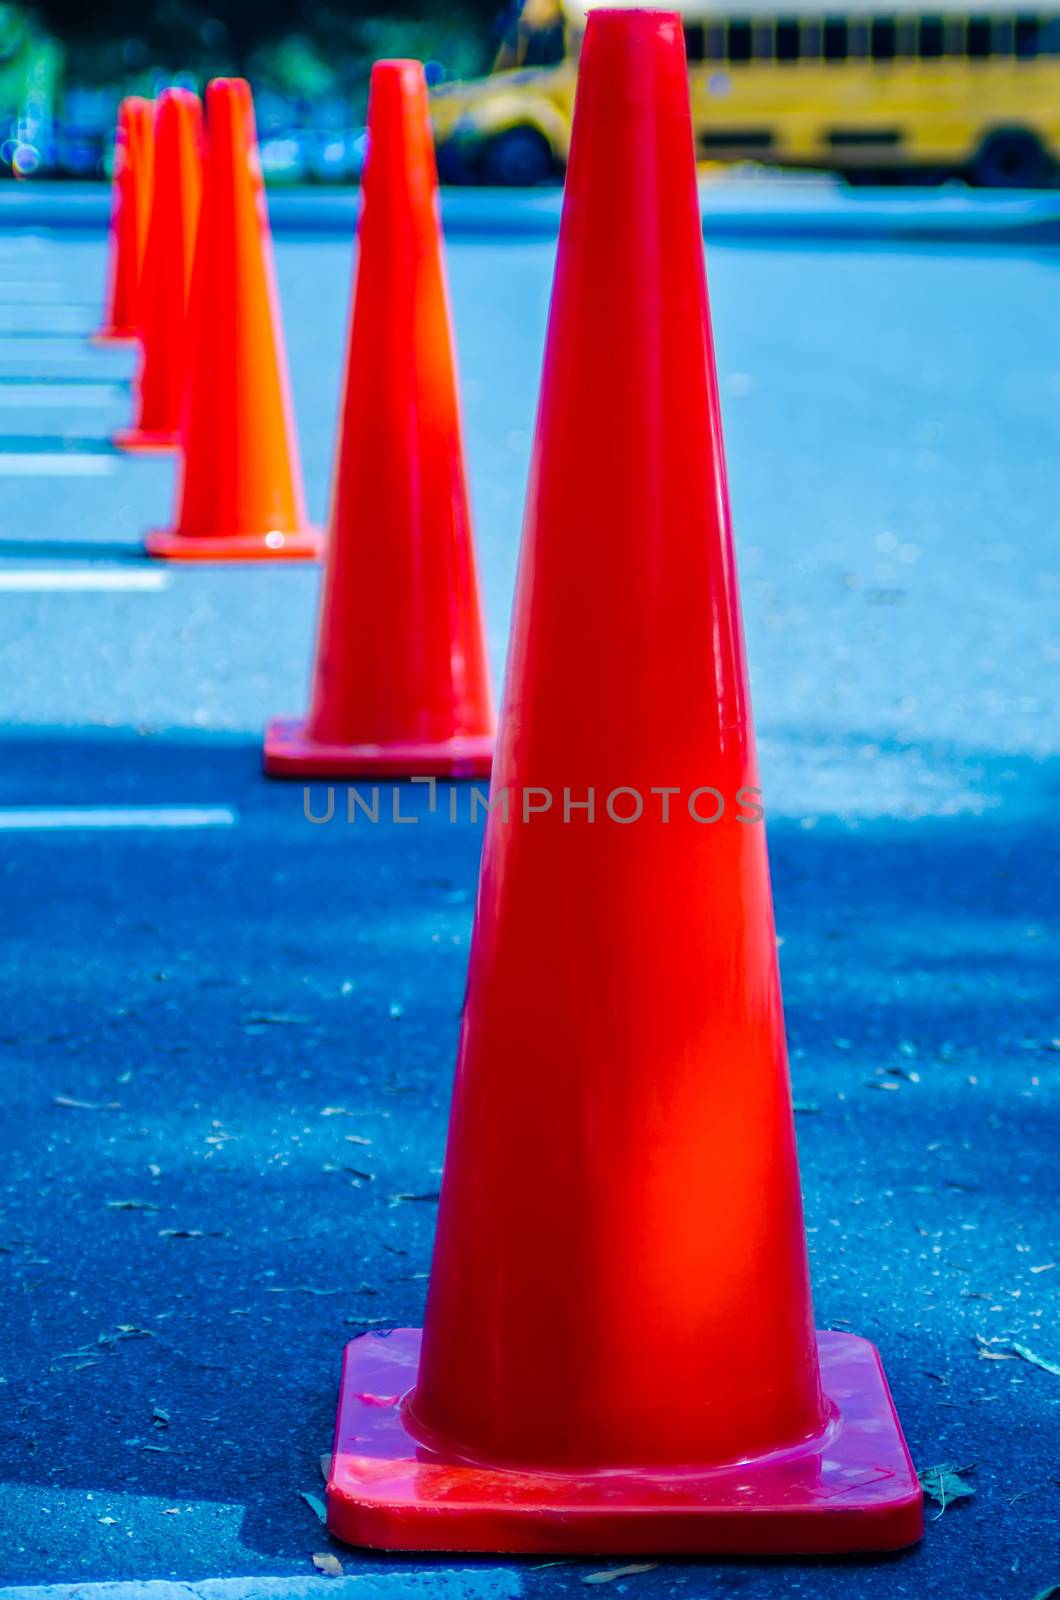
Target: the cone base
pixel 169 545
pixel 114 336
pixel 145 441
pixel 291 753
pixel 851 1489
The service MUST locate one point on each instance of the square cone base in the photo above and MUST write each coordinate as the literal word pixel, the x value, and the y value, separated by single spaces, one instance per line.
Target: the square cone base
pixel 291 753
pixel 145 441
pixel 105 336
pixel 851 1489
pixel 168 545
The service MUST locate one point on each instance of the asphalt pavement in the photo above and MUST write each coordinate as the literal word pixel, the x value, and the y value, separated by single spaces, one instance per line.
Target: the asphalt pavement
pixel 228 1031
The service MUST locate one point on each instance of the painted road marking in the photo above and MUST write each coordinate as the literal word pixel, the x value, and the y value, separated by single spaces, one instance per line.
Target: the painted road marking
pixel 49 320
pixel 41 464
pixel 59 394
pixel 35 818
pixel 56 580
pixel 469 1583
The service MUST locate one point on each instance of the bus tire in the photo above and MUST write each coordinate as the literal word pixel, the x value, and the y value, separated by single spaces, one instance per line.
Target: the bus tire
pixel 1011 158
pixel 454 165
pixel 518 158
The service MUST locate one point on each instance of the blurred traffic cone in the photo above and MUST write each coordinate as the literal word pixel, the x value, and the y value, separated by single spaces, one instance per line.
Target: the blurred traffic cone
pixel 402 683
pixel 167 274
pixel 240 492
pixel 619 1351
pixel 130 211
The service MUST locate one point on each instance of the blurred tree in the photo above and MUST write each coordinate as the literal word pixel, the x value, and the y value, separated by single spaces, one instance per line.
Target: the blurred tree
pixel 237 28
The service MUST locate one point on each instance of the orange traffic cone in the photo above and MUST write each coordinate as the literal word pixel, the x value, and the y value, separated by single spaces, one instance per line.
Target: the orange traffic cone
pixel 167 274
pixel 130 210
pixel 619 1352
pixel 240 492
pixel 402 682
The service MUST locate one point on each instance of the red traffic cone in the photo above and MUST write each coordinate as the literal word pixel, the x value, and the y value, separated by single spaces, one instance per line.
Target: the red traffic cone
pixel 402 682
pixel 130 210
pixel 240 492
pixel 619 1352
pixel 167 274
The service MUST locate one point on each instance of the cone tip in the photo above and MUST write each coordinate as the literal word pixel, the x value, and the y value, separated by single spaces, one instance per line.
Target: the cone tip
pixel 398 67
pixel 398 78
pixel 624 36
pixel 228 90
pixel 632 62
pixel 178 96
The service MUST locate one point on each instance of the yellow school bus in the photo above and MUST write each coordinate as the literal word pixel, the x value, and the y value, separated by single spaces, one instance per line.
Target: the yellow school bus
pixel 875 92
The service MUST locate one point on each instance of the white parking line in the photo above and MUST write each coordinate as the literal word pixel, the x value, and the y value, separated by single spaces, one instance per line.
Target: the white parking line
pixel 466 1583
pixel 30 395
pixel 33 287
pixel 47 319
pixel 35 818
pixel 41 464
pixel 80 580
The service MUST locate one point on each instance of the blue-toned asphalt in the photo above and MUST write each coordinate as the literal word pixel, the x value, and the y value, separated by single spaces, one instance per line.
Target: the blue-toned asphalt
pixel 242 1007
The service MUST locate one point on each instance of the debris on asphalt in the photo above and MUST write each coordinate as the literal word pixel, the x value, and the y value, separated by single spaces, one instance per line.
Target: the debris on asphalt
pixel 1011 1350
pixel 944 1484
pixel 621 1572
pixel 131 1205
pixel 190 1233
pixel 275 1019
pixel 314 1502
pixel 328 1564
pixel 70 1104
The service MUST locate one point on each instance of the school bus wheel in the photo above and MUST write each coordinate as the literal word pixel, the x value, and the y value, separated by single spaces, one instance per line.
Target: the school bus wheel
pixel 518 157
pixel 1011 158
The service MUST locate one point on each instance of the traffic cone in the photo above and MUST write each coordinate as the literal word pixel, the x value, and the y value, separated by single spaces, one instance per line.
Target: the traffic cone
pixel 402 683
pixel 167 274
pixel 239 496
pixel 130 211
pixel 619 1353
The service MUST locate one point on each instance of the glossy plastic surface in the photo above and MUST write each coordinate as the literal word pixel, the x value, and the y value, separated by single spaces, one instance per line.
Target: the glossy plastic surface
pixel 166 285
pixel 619 1352
pixel 239 494
pixel 401 665
pixel 621 1177
pixel 852 1488
pixel 129 217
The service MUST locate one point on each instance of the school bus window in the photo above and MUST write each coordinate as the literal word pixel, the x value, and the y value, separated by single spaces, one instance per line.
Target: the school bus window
pixel 858 40
pixel 787 39
pixel 1001 40
pixel 695 41
pixel 835 39
pixel 978 38
pixel 739 41
pixel 811 40
pixel 953 36
pixel 1026 37
pixel 905 44
pixel 714 47
pixel 931 38
pixel 762 41
pixel 1049 36
pixel 884 39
